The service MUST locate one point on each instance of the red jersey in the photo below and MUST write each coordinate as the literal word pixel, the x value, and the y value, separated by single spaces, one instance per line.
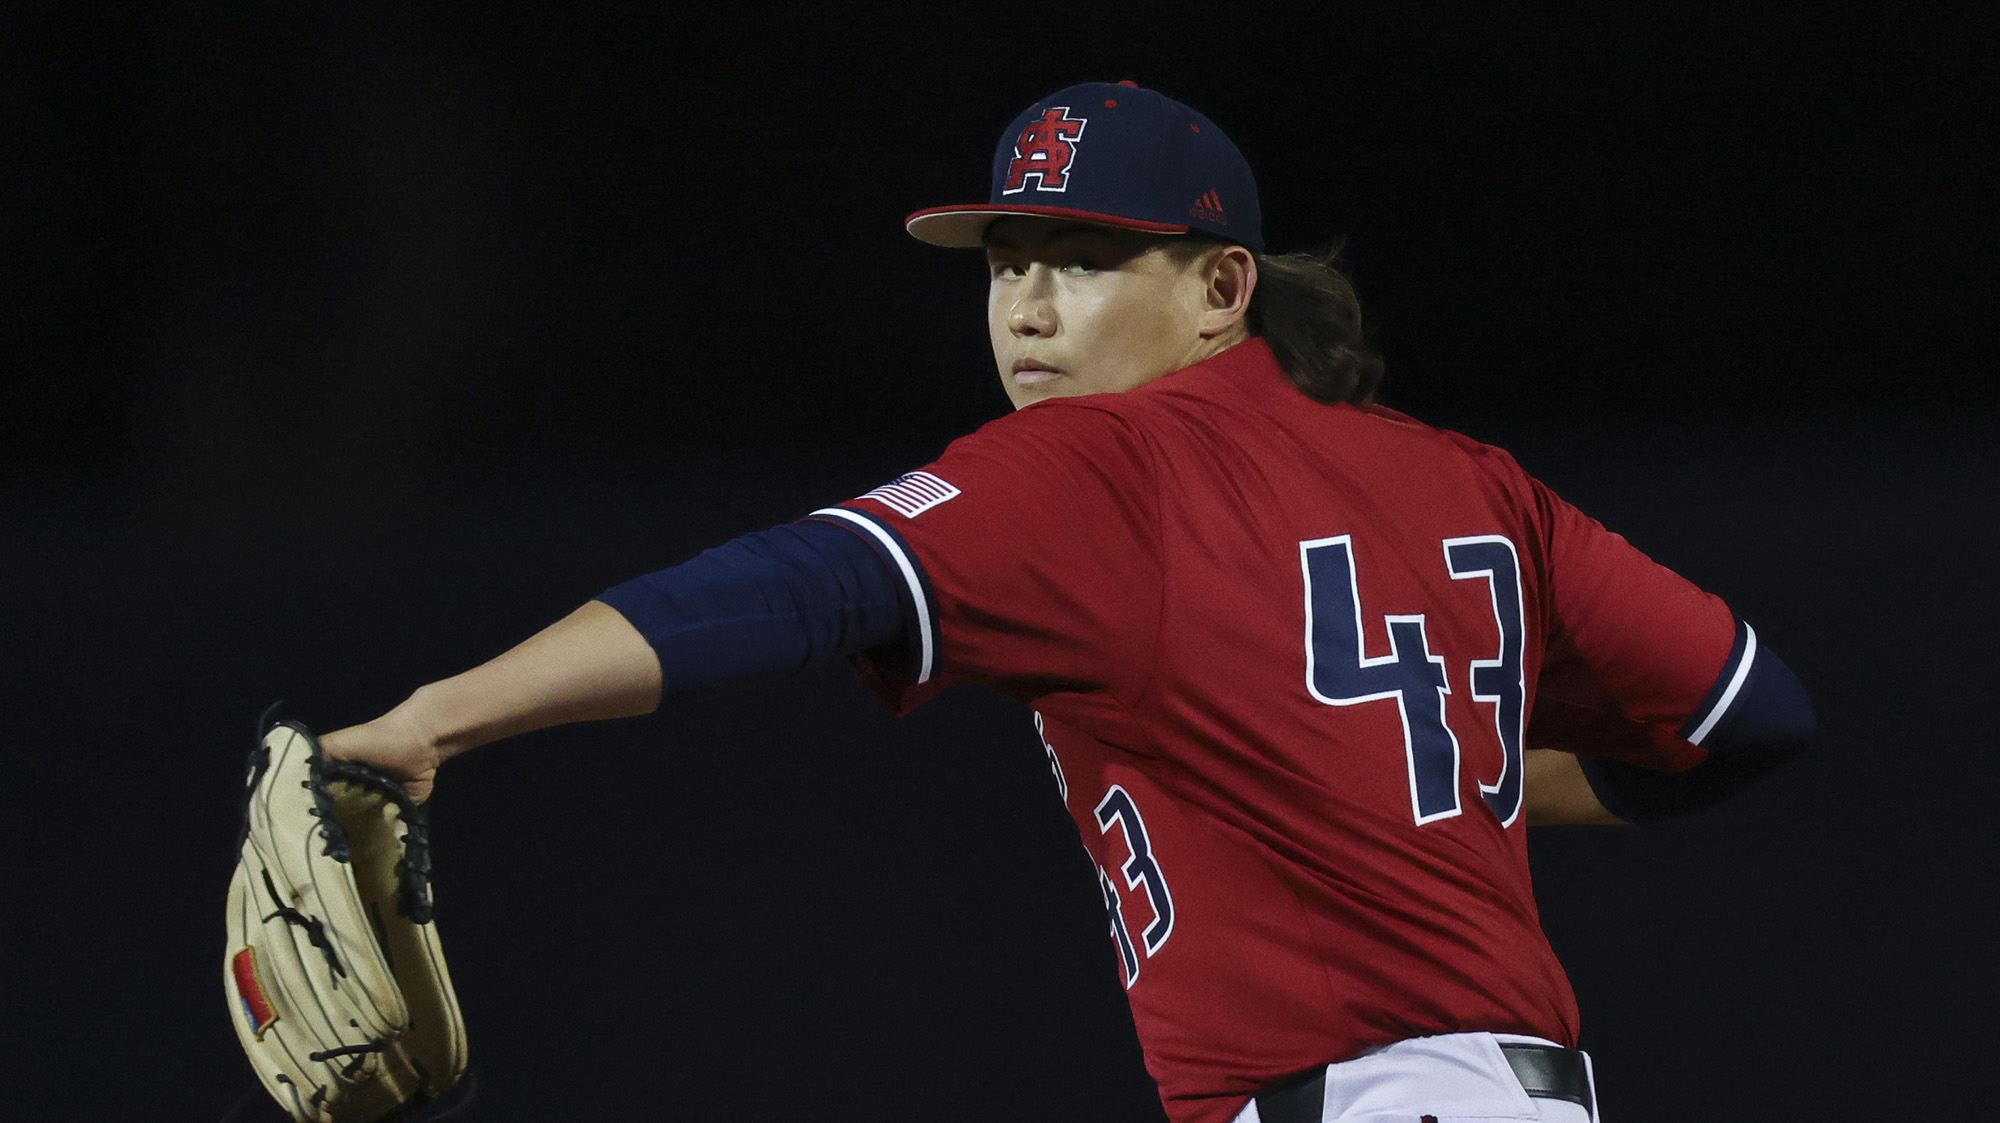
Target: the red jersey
pixel 1285 657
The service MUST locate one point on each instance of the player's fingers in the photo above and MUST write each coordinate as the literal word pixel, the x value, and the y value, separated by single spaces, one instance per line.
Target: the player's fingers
pixel 386 745
pixel 419 787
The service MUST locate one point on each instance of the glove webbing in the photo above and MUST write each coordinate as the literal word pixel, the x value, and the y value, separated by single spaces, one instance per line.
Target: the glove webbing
pixel 413 898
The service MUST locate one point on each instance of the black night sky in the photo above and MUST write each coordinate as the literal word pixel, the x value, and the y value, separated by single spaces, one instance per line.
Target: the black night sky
pixel 346 348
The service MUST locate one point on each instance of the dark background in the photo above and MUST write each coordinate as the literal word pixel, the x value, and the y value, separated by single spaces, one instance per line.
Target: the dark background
pixel 344 350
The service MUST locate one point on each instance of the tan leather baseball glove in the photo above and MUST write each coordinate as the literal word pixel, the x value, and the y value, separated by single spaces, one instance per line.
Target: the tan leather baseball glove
pixel 334 975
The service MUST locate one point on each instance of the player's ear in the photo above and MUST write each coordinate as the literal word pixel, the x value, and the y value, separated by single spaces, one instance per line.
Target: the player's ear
pixel 1230 273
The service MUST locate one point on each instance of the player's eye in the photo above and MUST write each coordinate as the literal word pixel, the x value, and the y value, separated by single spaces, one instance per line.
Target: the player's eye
pixel 1003 270
pixel 1080 265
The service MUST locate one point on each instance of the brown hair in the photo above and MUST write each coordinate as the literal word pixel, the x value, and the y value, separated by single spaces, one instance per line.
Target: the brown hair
pixel 1306 309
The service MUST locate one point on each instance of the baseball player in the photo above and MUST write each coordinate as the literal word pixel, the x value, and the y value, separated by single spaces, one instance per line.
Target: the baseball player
pixel 1287 649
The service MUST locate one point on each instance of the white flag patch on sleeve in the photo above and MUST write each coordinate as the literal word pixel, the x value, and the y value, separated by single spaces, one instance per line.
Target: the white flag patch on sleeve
pixel 912 495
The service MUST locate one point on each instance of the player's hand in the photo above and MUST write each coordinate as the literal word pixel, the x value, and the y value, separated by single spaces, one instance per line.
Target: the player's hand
pixel 395 743
pixel 1559 792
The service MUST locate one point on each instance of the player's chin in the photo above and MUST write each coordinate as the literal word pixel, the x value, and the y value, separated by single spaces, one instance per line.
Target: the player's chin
pixel 1021 398
pixel 1028 394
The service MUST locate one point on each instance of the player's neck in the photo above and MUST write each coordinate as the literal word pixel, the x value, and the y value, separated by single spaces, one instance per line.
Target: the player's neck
pixel 1209 347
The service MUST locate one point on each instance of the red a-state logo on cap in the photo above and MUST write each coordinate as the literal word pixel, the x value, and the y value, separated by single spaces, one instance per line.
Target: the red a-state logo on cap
pixel 1044 151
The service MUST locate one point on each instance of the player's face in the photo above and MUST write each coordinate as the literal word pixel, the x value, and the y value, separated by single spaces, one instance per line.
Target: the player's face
pixel 1074 309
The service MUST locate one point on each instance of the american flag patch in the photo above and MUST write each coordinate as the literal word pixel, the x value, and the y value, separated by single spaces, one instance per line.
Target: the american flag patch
pixel 913 494
pixel 250 992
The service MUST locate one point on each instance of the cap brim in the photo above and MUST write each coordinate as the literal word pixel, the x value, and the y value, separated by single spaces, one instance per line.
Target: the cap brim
pixel 964 226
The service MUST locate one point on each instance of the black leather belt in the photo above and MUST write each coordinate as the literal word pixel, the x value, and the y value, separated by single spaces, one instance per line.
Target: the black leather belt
pixel 1546 1072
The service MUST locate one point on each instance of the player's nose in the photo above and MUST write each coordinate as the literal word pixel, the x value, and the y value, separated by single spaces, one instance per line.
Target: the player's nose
pixel 1033 311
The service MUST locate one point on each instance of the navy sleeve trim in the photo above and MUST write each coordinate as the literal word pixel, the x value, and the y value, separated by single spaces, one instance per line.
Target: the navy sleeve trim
pixel 1762 718
pixel 766 604
pixel 919 601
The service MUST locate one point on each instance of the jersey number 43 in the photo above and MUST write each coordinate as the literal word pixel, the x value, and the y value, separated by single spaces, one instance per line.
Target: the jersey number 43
pixel 1339 672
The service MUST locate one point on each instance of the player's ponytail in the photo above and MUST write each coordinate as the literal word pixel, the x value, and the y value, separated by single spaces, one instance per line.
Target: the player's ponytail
pixel 1305 308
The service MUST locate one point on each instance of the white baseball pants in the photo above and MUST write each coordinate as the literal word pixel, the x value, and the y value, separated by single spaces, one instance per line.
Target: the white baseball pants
pixel 1452 1078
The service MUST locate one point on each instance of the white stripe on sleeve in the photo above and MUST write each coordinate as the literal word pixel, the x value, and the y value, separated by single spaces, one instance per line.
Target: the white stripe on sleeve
pixel 1735 684
pixel 926 656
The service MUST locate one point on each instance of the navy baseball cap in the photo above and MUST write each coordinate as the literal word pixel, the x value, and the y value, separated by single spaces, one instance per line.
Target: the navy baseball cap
pixel 1112 155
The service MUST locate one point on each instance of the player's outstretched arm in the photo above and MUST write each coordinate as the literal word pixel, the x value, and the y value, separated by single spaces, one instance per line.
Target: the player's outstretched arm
pixel 589 665
pixel 765 605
